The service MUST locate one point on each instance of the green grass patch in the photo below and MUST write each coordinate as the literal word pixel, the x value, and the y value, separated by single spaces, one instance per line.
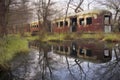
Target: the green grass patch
pixel 32 37
pixel 56 36
pixel 112 37
pixel 73 36
pixel 94 36
pixel 10 47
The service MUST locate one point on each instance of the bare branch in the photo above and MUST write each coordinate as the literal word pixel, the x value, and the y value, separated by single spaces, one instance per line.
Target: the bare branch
pixel 78 7
pixel 111 4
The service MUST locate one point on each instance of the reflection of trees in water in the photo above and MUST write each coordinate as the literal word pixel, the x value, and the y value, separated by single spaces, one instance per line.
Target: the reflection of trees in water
pixel 19 68
pixel 78 62
pixel 76 70
pixel 68 67
pixel 46 68
pixel 103 71
pixel 110 70
pixel 44 65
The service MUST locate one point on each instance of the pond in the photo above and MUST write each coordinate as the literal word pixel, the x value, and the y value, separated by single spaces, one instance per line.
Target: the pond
pixel 69 60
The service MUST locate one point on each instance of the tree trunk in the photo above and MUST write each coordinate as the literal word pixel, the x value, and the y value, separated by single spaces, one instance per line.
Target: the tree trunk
pixel 3 18
pixel 115 18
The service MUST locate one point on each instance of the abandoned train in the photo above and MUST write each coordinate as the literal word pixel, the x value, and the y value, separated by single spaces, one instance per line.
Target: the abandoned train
pixel 86 21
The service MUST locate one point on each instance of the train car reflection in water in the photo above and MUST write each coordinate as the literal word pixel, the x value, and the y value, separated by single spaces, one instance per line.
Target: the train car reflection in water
pixel 89 51
pixel 73 49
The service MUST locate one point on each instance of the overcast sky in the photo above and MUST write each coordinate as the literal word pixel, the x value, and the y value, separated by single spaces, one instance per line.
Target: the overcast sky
pixel 62 4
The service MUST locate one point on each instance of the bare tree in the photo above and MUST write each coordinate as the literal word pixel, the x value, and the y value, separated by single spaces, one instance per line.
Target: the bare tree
pixel 12 13
pixel 89 3
pixel 111 4
pixel 76 6
pixel 44 12
pixel 4 9
pixel 20 15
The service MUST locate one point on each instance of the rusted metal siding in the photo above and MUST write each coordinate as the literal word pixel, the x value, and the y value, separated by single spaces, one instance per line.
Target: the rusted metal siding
pixel 96 26
pixel 35 27
pixel 61 29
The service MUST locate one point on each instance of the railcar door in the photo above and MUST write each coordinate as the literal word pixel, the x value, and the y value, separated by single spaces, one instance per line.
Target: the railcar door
pixel 73 25
pixel 107 23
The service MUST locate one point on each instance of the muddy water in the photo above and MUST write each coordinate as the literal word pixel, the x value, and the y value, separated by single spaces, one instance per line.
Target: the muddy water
pixel 53 62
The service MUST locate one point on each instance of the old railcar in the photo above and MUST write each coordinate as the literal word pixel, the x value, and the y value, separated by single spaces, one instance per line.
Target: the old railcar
pixel 34 28
pixel 60 25
pixel 86 21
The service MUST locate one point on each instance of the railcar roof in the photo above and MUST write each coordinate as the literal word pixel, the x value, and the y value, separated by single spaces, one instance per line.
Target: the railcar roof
pixel 87 12
pixel 94 11
pixel 35 22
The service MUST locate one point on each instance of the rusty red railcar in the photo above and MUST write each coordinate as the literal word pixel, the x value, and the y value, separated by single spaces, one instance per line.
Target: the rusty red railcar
pixel 86 21
pixel 35 27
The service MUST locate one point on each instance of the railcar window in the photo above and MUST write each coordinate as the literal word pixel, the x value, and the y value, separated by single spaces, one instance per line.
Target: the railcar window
pixel 107 19
pixel 61 23
pixel 37 26
pixel 57 24
pixel 81 21
pixel 61 48
pixel 89 20
pixel 66 23
pixel 33 26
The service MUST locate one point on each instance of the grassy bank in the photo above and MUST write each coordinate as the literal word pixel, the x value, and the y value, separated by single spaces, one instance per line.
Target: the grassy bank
pixel 111 37
pixel 10 47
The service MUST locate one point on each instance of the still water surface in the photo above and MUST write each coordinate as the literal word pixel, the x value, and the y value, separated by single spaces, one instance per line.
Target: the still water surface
pixel 47 64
